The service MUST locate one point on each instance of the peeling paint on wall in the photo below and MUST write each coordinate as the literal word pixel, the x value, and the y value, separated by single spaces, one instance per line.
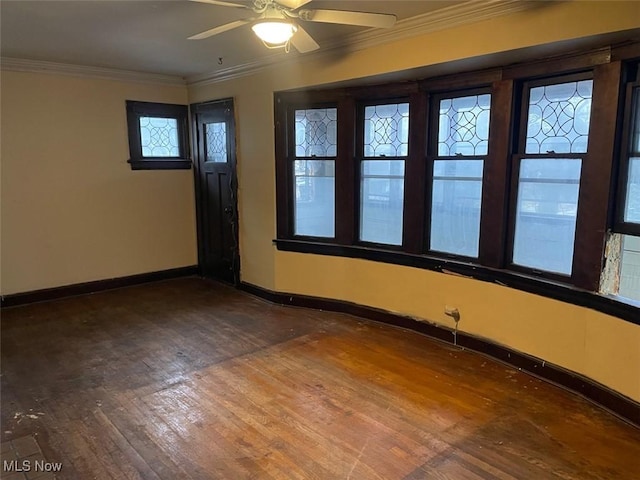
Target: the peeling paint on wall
pixel 610 278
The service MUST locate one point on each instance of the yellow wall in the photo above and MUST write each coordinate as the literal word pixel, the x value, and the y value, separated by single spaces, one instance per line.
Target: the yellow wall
pixel 72 209
pixel 596 345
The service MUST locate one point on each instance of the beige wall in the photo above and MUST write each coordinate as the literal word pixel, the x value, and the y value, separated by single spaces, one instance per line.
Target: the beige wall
pixel 596 345
pixel 72 209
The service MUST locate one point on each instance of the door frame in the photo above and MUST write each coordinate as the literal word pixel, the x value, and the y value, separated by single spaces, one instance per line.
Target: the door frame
pixel 194 109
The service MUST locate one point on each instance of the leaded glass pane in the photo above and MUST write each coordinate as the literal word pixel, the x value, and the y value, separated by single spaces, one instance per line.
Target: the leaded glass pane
pixel 314 207
pixel 464 125
pixel 381 201
pixel 546 214
pixel 632 206
pixel 455 206
pixel 316 132
pixel 216 142
pixel 559 118
pixel 159 137
pixel 386 130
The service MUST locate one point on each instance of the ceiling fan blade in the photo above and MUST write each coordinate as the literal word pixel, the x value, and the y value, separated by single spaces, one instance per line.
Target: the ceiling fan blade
pixel 363 19
pixel 303 41
pixel 222 28
pixel 222 4
pixel 292 4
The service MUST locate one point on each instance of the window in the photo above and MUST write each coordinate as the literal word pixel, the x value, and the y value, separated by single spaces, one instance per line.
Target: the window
pixel 503 175
pixel 215 143
pixel 384 147
pixel 157 136
pixel 553 142
pixel 629 191
pixel 456 192
pixel 314 156
pixel 629 197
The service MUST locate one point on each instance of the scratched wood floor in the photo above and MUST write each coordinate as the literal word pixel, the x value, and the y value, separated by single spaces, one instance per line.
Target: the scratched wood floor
pixel 188 379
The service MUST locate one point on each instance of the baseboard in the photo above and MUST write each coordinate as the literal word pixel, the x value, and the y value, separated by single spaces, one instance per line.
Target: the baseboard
pixel 601 395
pixel 55 293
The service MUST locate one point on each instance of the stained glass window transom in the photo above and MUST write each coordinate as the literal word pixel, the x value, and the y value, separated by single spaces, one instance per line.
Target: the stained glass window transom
pixel 216 142
pixel 386 130
pixel 159 137
pixel 316 132
pixel 464 125
pixel 559 117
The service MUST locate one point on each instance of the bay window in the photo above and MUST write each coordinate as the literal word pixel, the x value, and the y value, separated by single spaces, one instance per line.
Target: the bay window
pixel 504 175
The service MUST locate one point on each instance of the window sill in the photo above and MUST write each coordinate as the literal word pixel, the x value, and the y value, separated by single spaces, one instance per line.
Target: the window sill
pixel 158 164
pixel 616 306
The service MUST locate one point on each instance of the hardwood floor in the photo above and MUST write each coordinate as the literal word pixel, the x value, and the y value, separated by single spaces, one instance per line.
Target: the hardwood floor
pixel 188 379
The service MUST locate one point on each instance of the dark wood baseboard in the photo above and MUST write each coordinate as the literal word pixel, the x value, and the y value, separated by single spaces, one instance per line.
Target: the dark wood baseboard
pixel 616 403
pixel 55 293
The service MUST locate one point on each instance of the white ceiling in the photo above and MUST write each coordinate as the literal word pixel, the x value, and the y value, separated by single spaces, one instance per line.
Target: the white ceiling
pixel 151 35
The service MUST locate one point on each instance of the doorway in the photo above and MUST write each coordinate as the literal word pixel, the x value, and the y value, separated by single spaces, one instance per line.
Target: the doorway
pixel 216 190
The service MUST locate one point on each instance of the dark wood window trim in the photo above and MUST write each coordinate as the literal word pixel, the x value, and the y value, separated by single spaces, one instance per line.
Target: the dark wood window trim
pixel 137 160
pixel 629 119
pixel 594 216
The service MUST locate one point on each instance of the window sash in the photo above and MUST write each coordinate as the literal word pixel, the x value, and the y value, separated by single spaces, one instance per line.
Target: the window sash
pixel 313 197
pixel 381 213
pixel 522 257
pixel 629 158
pixel 447 233
pixel 307 194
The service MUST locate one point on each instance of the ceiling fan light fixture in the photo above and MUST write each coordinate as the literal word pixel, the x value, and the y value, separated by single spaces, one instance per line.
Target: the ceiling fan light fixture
pixel 274 32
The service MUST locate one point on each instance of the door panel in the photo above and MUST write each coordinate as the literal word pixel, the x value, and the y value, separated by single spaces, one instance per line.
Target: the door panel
pixel 216 187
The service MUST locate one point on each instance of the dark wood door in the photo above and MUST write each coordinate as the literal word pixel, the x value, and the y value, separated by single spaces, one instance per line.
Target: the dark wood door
pixel 216 187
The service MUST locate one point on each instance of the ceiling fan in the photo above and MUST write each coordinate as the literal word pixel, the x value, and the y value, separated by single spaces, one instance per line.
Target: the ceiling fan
pixel 277 22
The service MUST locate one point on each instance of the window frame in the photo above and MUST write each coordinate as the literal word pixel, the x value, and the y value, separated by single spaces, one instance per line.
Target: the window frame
pixel 629 118
pixel 519 154
pixel 292 158
pixel 137 109
pixel 359 158
pixel 432 156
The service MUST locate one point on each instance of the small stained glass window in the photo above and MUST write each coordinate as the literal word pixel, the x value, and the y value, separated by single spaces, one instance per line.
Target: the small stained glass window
pixel 559 117
pixel 316 132
pixel 216 142
pixel 386 130
pixel 159 137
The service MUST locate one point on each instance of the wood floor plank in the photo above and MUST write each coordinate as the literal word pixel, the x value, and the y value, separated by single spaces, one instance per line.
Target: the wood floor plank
pixel 189 379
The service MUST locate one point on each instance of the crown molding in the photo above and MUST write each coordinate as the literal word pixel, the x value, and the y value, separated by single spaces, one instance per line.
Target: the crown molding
pixel 472 11
pixel 85 71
